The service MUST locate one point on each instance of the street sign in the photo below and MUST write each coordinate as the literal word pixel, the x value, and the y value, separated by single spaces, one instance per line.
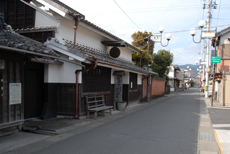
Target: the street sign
pixel 156 38
pixel 203 63
pixel 208 34
pixel 216 59
pixel 207 69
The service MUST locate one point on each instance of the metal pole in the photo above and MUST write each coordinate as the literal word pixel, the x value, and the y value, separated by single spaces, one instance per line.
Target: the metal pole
pixel 148 94
pixel 148 55
pixel 213 79
pixel 207 54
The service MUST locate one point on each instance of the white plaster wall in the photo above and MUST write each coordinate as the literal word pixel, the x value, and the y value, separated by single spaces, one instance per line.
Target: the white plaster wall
pixel 171 72
pixel 224 37
pixel 126 54
pixel 139 79
pixel 84 36
pixel 125 79
pixel 62 73
pixel 112 76
pixel 43 20
pixel 51 73
pixel 67 74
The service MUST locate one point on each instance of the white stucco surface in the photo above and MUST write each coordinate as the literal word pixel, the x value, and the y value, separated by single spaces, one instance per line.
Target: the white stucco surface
pixel 224 37
pixel 171 72
pixel 139 79
pixel 42 20
pixel 62 73
pixel 125 79
pixel 51 73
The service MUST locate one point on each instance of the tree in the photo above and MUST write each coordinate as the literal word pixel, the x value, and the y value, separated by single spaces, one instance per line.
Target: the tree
pixel 161 60
pixel 140 41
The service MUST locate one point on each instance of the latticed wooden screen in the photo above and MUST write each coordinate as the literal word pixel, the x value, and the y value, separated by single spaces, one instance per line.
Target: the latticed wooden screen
pixel 19 15
pixel 66 99
pixel 96 80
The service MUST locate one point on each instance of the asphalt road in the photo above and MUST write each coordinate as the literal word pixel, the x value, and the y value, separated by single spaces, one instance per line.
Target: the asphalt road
pixel 168 127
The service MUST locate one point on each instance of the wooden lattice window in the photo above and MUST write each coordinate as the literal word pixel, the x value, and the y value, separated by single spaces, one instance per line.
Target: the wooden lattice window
pixel 133 81
pixel 19 15
pixel 97 80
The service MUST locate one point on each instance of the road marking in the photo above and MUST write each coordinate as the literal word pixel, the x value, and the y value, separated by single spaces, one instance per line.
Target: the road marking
pixel 224 108
pixel 218 142
pixel 221 125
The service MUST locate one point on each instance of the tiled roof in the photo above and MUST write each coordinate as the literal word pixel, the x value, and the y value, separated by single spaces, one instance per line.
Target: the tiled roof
pixel 46 28
pixel 14 40
pixel 111 35
pixel 223 31
pixel 87 52
pixel 71 10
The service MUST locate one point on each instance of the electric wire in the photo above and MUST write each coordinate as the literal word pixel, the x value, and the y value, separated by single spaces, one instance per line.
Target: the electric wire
pixel 218 13
pixel 126 14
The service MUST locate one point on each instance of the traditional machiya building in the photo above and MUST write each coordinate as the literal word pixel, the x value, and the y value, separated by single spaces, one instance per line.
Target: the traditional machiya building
pixel 22 78
pixel 222 70
pixel 91 61
pixel 174 80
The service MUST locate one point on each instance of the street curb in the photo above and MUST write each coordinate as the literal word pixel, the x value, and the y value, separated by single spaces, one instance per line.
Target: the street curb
pixel 207 143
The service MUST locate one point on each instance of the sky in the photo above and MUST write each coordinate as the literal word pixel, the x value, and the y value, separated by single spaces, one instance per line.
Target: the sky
pixel 125 17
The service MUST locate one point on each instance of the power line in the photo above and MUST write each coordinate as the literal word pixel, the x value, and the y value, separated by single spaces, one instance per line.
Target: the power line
pixel 126 14
pixel 218 13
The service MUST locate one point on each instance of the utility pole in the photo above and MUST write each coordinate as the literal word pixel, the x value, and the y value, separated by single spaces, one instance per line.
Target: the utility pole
pixel 207 54
pixel 149 77
pixel 203 52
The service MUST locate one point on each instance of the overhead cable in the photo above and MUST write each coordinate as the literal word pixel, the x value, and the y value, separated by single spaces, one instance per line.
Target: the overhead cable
pixel 126 15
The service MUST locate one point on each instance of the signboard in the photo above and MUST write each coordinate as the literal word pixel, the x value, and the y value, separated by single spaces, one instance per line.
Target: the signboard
pixel 203 63
pixel 208 34
pixel 15 93
pixel 2 64
pixel 216 59
pixel 207 69
pixel 156 38
pixel 118 89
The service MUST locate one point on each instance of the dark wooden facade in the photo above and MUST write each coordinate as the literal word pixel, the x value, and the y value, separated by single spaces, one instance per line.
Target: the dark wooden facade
pixel 19 15
pixel 96 82
pixel 66 96
pixel 13 72
pixel 33 89
pixel 39 36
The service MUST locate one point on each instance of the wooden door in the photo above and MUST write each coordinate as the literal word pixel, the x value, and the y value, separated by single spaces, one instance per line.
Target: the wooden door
pixel 34 89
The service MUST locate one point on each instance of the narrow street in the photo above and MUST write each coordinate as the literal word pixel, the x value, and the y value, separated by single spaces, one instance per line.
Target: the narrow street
pixel 170 126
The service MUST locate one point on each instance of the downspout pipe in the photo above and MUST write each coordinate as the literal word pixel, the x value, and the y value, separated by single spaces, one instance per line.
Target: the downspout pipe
pixel 77 19
pixel 77 91
pixel 223 78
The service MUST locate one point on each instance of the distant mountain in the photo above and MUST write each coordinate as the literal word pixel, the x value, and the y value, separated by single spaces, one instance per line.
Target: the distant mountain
pixel 193 68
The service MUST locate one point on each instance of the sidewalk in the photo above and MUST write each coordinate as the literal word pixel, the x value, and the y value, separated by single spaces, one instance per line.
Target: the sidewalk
pixel 220 116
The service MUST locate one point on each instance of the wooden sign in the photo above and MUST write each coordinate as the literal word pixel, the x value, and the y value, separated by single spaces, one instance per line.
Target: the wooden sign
pixel 118 89
pixel 15 93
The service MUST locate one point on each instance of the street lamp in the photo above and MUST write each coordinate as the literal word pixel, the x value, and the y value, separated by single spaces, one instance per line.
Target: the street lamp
pixel 167 35
pixel 193 30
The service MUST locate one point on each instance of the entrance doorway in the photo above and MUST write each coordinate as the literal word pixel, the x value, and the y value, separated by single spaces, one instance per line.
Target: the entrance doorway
pixel 33 89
